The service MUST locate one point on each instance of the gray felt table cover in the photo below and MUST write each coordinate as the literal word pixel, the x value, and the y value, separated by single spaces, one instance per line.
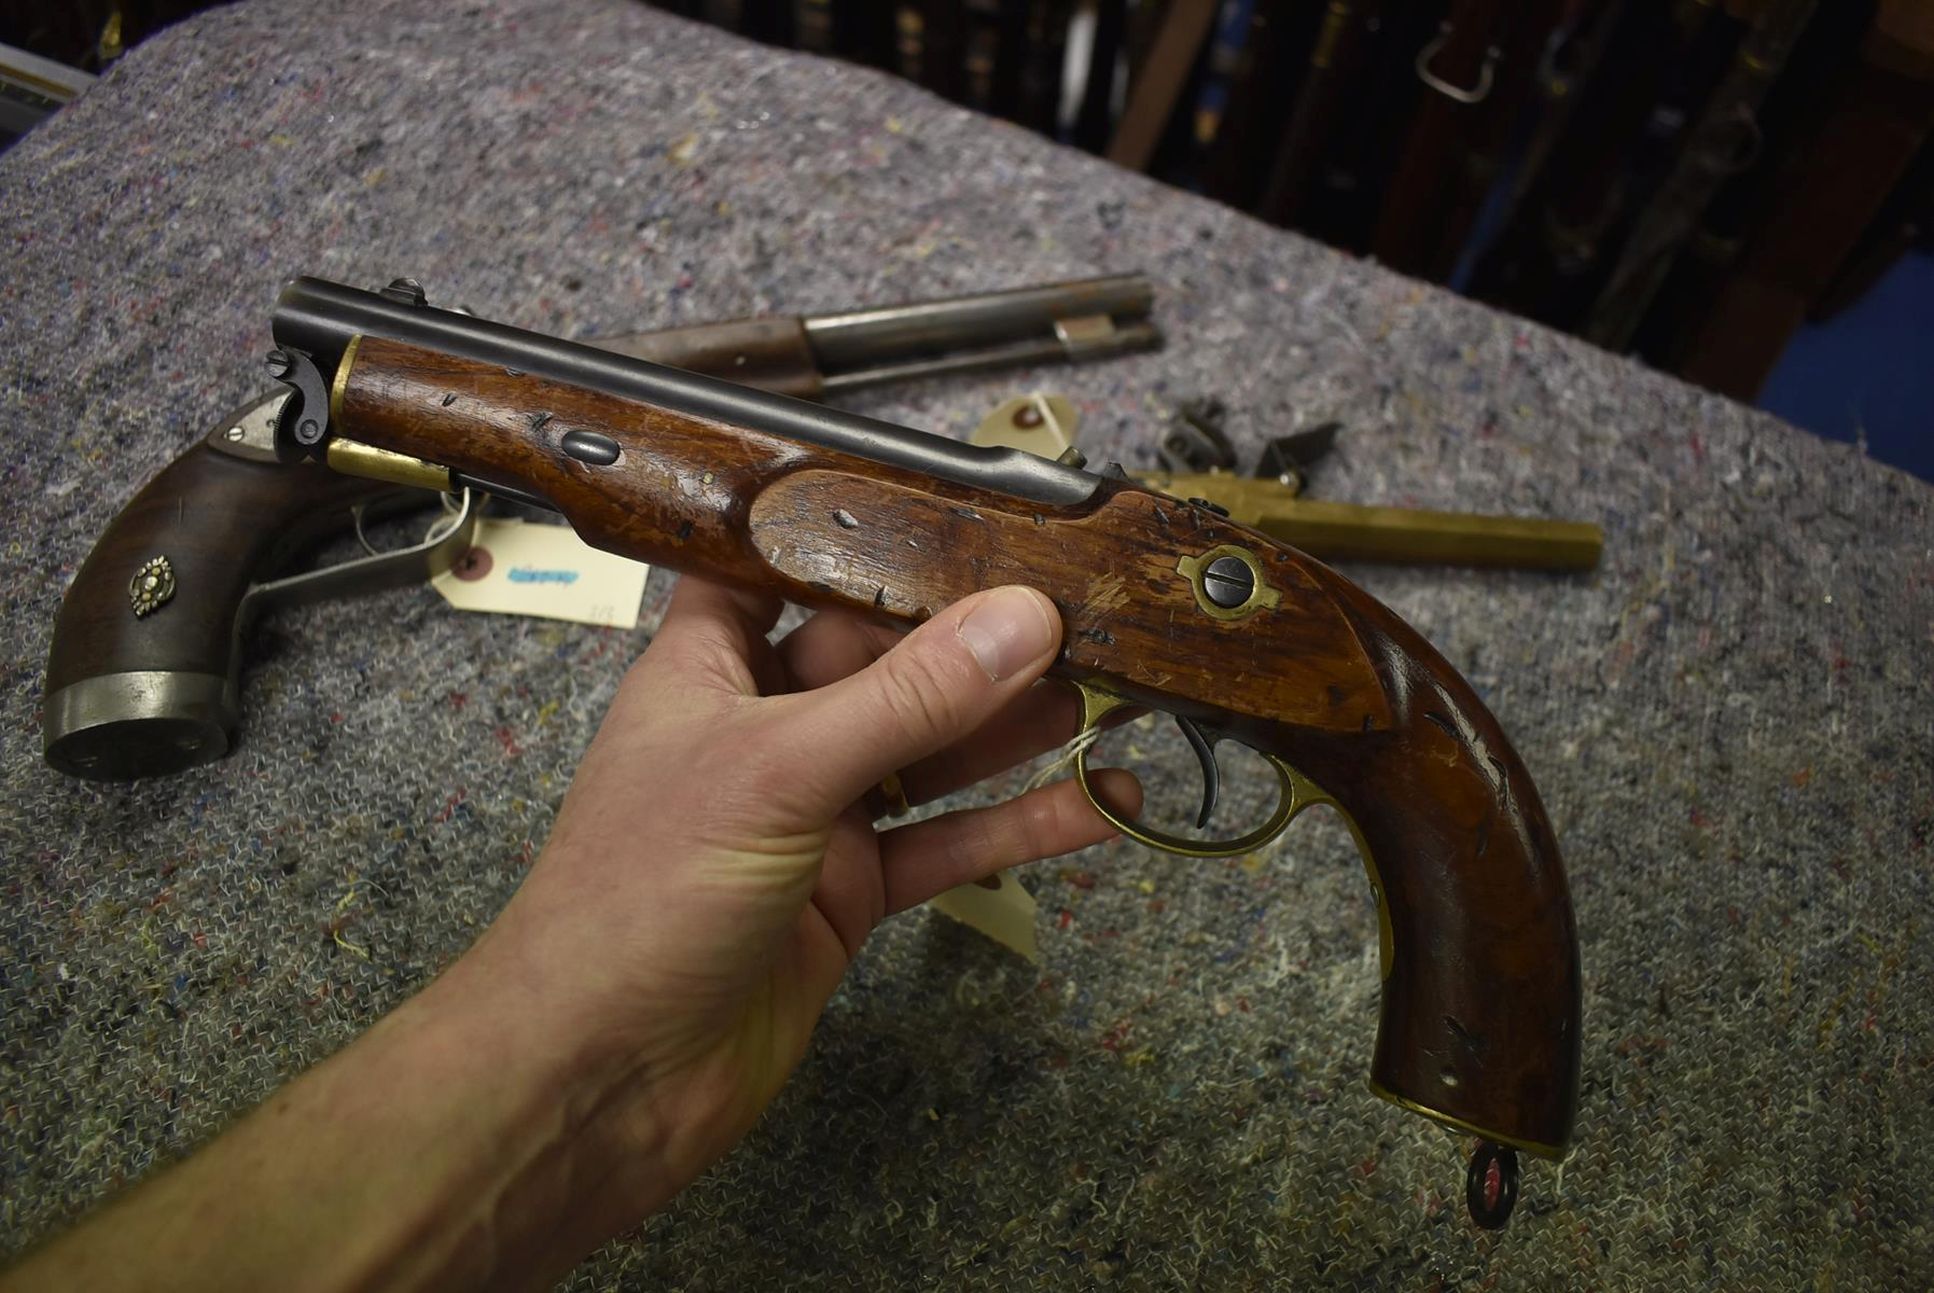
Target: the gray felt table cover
pixel 1729 722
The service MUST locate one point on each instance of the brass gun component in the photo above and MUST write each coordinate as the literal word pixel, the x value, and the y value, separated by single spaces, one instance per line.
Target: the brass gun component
pixel 1356 532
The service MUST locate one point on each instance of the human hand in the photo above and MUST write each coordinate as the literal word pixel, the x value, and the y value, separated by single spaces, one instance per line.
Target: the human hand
pixel 715 867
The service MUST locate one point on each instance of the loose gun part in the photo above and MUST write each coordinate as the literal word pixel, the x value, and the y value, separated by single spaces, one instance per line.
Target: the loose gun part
pixel 814 356
pixel 1355 532
pixel 1479 1025
pixel 1272 501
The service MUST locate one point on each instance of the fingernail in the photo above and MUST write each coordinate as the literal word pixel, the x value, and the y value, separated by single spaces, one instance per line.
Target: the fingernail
pixel 1007 630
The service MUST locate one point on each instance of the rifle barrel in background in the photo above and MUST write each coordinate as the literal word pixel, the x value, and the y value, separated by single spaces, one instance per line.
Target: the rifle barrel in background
pixel 818 355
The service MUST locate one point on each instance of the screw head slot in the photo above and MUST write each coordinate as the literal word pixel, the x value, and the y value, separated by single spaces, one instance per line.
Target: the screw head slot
pixel 1228 581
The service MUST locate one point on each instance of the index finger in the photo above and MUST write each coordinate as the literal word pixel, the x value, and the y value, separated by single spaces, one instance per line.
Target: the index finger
pixel 719 632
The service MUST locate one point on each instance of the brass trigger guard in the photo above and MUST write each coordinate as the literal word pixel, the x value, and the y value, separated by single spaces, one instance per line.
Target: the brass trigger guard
pixel 1297 792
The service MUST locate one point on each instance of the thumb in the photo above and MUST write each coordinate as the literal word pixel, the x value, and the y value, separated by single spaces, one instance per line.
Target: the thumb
pixel 936 686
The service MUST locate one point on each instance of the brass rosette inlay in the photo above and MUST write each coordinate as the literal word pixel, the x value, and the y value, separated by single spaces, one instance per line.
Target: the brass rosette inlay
pixel 151 586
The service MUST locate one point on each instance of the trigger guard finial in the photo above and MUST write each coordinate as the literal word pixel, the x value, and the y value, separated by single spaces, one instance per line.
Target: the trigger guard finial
pixel 1491 1184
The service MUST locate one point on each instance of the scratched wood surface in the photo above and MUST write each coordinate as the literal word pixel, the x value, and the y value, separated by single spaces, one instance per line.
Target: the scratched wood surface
pixel 1481 990
pixel 223 523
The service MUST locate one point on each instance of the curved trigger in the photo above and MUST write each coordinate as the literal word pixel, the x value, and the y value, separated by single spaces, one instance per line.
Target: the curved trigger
pixel 1211 775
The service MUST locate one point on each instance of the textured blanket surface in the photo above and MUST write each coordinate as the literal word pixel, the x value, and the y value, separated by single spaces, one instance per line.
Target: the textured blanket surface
pixel 1731 722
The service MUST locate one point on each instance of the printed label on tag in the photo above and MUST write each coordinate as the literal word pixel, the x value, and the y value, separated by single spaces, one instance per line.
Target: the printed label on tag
pixel 519 568
pixel 999 907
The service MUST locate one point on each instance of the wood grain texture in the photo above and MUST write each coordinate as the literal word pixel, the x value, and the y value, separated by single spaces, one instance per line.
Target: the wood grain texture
pixel 1481 994
pixel 223 523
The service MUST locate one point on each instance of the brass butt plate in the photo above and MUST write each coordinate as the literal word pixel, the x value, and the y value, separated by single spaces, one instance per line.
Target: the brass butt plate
pixel 1555 1153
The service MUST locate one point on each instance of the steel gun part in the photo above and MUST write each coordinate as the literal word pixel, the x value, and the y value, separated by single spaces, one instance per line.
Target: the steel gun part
pixel 815 356
pixel 1167 605
pixel 144 673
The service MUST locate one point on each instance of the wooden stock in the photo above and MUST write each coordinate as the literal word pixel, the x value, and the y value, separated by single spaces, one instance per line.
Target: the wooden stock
pixel 223 523
pixel 1481 984
pixel 138 695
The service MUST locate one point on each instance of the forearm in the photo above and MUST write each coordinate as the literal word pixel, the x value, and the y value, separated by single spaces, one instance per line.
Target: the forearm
pixel 658 974
pixel 458 1144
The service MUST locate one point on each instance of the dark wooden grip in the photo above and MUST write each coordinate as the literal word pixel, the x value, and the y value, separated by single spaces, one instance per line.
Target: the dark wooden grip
pixel 1480 1017
pixel 221 523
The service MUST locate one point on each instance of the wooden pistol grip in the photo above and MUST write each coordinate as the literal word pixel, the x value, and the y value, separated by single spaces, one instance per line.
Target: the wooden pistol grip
pixel 1481 983
pixel 144 695
pixel 1481 987
pixel 773 354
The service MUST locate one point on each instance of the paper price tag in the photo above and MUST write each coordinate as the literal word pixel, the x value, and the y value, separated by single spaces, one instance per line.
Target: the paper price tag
pixel 1043 425
pixel 519 568
pixel 1003 912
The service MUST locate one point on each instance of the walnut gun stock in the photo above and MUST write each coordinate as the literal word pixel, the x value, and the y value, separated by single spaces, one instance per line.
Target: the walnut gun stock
pixel 1166 604
pixel 147 685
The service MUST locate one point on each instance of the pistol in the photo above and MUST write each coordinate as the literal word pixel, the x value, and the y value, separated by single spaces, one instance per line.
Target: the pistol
pixel 1167 605
pixel 132 691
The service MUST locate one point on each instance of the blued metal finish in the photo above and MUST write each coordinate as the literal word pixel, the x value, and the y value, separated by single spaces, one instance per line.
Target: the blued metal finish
pixel 1039 350
pixel 1288 459
pixel 1491 1185
pixel 116 726
pixel 1211 773
pixel 1210 592
pixel 1296 792
pixel 590 448
pixel 1228 582
pixel 892 332
pixel 406 291
pixel 305 419
pixel 320 319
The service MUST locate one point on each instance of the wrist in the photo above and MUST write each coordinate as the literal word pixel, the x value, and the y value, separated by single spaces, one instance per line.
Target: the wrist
pixel 595 1142
pixel 631 1123
pixel 465 1141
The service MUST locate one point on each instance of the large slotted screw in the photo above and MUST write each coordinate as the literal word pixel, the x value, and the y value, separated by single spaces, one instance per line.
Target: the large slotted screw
pixel 1228 582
